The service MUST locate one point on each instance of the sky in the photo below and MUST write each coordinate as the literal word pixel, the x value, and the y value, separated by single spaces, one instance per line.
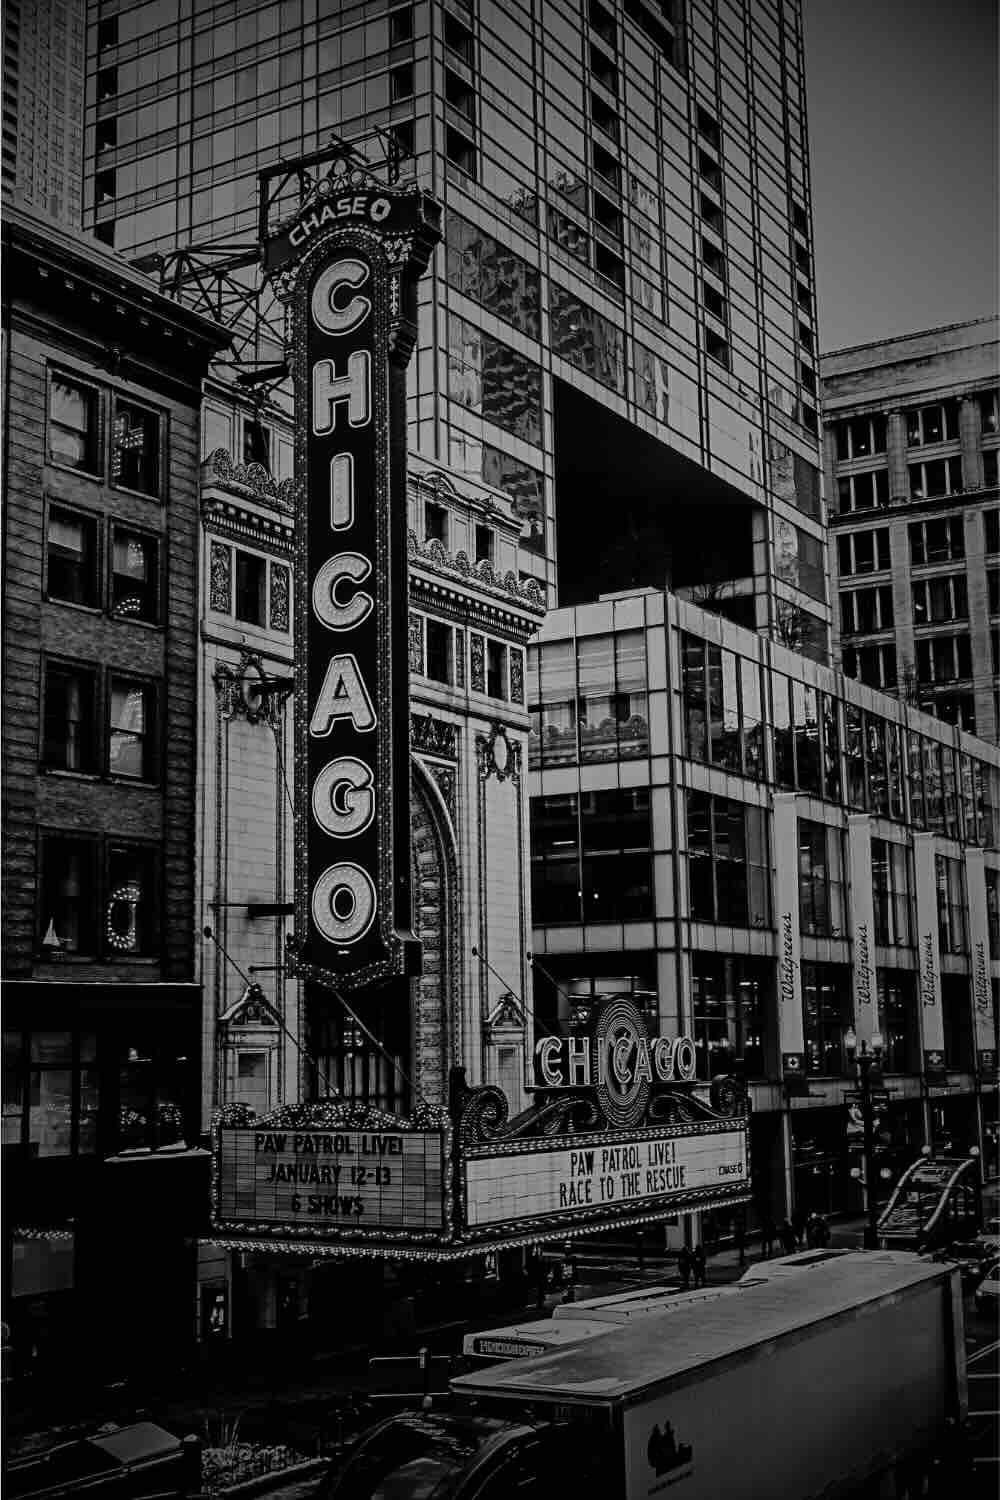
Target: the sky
pixel 902 100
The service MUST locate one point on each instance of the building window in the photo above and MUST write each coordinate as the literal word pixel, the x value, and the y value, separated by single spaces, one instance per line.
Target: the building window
pixel 130 910
pixel 135 449
pixel 132 729
pixel 939 476
pixel 821 881
pixel 72 572
pixel 51 1092
pixel 863 551
pixel 932 424
pixel 493 380
pixel 863 611
pixel 107 84
pixel 460 151
pixel 586 339
pixel 251 588
pixel 435 524
pixel 496 669
pixel 439 666
pixel 70 740
pixel 943 658
pixel 989 411
pixel 940 540
pixel 728 868
pixel 134 575
pixel 484 544
pixel 107 33
pixel 67 908
pixel 487 271
pixel 590 857
pixel 897 1021
pixel 863 491
pixel 875 666
pixel 860 437
pixel 891 893
pixel 993 909
pixel 991 468
pixel 952 937
pixel 401 83
pixel 827 1013
pixel 729 998
pixel 799 559
pixel 956 1018
pixel 991 529
pixel 256 442
pixel 936 600
pixel 73 424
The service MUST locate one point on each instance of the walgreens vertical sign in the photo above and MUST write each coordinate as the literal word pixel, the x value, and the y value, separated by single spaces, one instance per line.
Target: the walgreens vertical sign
pixel 352 294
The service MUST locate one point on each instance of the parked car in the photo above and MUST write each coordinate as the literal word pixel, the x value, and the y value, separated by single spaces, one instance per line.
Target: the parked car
pixel 139 1462
pixel 987 1293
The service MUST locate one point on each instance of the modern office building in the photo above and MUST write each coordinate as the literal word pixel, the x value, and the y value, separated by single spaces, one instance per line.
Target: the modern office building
pixel 767 856
pixel 912 442
pixel 103 1180
pixel 44 51
pixel 619 330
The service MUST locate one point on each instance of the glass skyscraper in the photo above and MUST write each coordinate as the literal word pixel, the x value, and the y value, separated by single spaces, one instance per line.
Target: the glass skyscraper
pixel 620 328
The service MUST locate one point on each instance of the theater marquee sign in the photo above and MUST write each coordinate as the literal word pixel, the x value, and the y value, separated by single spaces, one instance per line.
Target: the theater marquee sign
pixel 350 263
pixel 619 1135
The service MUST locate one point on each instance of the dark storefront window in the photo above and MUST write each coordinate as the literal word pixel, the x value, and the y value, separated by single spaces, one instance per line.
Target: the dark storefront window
pixel 730 998
pixel 897 1021
pixel 820 1159
pixel 50 1093
pixel 827 1008
pixel 155 1086
pixel 956 1014
pixel 728 867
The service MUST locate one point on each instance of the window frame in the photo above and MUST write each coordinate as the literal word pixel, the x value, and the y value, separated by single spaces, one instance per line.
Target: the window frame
pixel 94 672
pixel 151 735
pixel 93 844
pixel 92 518
pixel 98 393
pixel 145 534
pixel 159 495
pixel 153 849
pixel 263 560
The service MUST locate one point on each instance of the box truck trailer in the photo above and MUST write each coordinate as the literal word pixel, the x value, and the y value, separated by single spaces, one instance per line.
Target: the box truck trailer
pixel 845 1375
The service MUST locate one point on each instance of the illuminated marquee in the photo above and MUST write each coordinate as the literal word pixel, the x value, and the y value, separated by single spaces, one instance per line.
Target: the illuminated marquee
pixel 352 291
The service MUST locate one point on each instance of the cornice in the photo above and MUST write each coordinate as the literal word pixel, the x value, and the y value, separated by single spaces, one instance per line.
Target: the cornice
pixel 224 518
pixel 459 570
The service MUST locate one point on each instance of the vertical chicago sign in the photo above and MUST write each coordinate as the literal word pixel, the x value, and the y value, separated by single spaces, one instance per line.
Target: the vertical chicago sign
pixel 348 266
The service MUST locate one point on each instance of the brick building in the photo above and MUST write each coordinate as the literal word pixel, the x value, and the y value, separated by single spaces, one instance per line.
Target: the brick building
pixel 101 1027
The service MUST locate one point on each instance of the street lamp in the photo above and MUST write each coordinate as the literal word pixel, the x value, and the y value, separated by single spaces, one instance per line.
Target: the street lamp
pixel 866 1061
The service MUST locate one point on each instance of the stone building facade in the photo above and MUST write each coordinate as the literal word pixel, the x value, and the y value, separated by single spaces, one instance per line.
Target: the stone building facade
pixel 912 444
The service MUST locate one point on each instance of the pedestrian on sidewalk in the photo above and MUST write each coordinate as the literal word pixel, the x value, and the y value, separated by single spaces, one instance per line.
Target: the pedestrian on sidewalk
pixel 684 1266
pixel 799 1225
pixel 767 1234
pixel 786 1234
pixel 698 1265
pixel 740 1241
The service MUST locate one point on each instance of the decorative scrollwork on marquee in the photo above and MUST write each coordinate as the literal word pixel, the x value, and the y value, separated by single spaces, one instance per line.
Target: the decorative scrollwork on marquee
pixel 433 736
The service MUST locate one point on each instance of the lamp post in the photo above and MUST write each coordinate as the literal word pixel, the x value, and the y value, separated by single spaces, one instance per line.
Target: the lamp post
pixel 867 1061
